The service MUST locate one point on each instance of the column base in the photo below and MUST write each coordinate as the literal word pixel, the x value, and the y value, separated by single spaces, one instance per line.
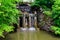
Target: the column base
pixel 24 29
pixel 32 29
pixel 28 29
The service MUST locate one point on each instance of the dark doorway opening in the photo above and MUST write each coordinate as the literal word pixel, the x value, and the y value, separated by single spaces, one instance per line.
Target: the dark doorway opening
pixel 21 22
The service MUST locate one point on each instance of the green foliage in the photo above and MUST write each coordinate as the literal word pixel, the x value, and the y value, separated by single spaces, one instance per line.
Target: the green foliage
pixel 47 3
pixel 56 17
pixel 5 28
pixel 56 12
pixel 48 13
pixel 55 29
pixel 8 15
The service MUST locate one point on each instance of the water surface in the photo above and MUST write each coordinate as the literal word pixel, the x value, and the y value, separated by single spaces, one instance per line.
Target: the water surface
pixel 31 35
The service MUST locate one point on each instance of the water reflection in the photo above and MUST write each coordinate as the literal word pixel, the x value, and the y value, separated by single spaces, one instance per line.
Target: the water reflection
pixel 31 35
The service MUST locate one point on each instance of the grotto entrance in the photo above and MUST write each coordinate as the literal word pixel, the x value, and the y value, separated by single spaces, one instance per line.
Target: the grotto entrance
pixel 29 18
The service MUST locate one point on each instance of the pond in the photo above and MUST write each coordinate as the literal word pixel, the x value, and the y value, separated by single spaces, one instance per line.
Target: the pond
pixel 31 35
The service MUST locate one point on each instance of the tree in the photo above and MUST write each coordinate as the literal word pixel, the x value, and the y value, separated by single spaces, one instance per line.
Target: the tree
pixel 8 15
pixel 47 3
pixel 56 13
pixel 56 17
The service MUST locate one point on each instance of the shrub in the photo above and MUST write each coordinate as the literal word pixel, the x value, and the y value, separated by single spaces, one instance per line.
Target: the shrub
pixel 55 29
pixel 56 13
pixel 8 15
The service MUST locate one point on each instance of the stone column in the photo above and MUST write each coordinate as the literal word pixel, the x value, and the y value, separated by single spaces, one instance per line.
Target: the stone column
pixel 18 22
pixel 29 20
pixel 35 19
pixel 24 25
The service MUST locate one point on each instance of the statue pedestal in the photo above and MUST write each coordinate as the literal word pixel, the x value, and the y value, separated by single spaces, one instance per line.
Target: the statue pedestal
pixel 24 29
pixel 32 29
pixel 28 29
